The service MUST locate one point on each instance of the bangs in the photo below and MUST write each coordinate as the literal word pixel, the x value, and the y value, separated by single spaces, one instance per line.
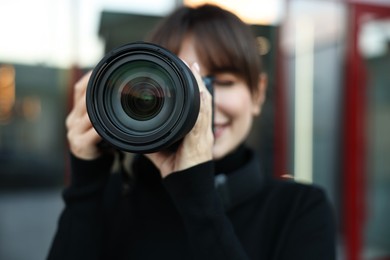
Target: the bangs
pixel 223 42
pixel 226 44
pixel 217 54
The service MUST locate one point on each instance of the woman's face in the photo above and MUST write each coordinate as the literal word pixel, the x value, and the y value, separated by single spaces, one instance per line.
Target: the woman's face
pixel 234 106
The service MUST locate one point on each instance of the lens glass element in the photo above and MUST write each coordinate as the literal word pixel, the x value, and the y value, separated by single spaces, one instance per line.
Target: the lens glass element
pixel 140 96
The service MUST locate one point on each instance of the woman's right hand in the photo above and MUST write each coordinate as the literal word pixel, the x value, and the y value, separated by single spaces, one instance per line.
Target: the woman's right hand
pixel 197 146
pixel 82 137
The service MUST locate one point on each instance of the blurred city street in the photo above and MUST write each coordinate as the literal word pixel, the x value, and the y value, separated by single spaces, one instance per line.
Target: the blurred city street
pixel 325 120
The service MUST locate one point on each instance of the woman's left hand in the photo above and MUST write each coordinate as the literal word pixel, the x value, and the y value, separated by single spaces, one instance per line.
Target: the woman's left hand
pixel 197 146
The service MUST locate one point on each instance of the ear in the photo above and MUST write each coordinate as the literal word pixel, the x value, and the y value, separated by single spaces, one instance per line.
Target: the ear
pixel 260 94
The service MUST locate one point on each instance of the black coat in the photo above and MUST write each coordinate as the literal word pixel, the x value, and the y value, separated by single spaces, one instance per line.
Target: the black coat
pixel 184 216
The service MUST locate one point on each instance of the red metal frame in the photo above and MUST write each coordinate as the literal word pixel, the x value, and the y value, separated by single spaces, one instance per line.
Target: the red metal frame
pixel 354 141
pixel 280 142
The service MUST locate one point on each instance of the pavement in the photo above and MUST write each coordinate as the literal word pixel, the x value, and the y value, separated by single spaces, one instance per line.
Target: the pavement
pixel 28 220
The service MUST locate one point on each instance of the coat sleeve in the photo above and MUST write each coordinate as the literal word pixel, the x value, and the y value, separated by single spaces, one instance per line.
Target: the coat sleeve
pixel 210 233
pixel 80 228
pixel 309 229
pixel 311 232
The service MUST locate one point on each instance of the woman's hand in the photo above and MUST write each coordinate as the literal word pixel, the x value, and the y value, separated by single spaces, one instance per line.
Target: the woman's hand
pixel 197 146
pixel 82 137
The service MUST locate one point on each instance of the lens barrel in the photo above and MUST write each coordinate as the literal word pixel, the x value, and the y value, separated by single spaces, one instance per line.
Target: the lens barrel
pixel 142 98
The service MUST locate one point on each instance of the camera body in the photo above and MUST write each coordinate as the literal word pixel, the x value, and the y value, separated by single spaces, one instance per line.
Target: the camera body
pixel 141 98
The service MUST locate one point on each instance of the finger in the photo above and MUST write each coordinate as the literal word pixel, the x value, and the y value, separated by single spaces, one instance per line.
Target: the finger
pixel 85 144
pixel 84 139
pixel 92 137
pixel 81 87
pixel 78 124
pixel 205 98
pixel 164 161
pixel 153 157
pixel 79 106
pixel 198 142
pixel 196 71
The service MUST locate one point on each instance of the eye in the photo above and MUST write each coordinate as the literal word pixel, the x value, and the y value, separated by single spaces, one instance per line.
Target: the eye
pixel 225 80
pixel 223 83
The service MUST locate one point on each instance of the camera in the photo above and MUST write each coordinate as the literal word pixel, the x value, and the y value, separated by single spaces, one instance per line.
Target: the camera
pixel 141 98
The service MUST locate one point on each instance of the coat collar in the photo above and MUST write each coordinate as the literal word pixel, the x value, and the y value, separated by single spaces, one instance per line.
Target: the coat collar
pixel 240 185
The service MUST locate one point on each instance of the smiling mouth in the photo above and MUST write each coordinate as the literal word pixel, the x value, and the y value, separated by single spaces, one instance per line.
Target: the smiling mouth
pixel 219 129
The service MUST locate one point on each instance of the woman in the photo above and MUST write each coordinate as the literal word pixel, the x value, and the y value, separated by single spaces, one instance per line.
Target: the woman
pixel 207 200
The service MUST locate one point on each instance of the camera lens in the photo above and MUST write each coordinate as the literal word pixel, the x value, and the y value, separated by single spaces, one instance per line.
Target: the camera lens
pixel 141 95
pixel 142 98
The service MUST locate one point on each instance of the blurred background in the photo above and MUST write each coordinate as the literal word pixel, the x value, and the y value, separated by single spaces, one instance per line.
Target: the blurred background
pixel 326 120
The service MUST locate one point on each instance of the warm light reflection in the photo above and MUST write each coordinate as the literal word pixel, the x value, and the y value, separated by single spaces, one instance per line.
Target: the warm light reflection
pixel 7 92
pixel 263 45
pixel 31 108
pixel 262 12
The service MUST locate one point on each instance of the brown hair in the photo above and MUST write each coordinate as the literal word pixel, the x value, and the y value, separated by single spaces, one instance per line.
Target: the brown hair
pixel 225 42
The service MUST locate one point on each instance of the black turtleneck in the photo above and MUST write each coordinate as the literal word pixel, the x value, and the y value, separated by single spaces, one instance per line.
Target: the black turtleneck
pixel 183 217
pixel 232 161
pixel 145 171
